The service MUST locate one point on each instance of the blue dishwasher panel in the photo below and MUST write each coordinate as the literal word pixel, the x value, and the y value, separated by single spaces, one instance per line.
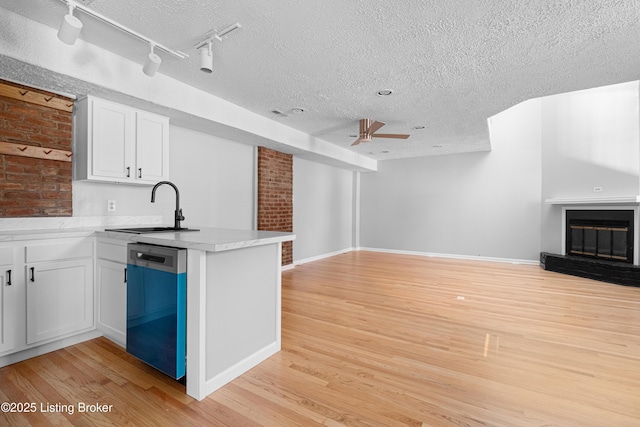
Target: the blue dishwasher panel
pixel 156 310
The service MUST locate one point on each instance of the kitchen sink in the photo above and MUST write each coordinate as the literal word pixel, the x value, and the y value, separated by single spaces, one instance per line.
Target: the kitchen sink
pixel 145 230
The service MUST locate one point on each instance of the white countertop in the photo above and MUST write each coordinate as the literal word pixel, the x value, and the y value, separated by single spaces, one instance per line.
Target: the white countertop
pixel 207 239
pixel 54 233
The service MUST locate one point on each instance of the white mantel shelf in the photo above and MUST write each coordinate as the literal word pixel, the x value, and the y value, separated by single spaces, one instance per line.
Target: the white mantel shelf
pixel 614 200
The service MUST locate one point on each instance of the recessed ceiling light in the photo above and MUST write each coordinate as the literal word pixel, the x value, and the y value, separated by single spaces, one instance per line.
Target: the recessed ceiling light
pixel 418 127
pixel 384 92
pixel 278 113
pixel 437 146
pixel 297 110
pixel 385 151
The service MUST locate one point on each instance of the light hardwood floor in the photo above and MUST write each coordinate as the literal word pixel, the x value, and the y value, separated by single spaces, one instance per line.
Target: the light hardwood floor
pixel 373 339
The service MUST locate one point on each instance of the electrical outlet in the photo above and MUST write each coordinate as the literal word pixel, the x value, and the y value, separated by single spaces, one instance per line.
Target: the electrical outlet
pixel 597 189
pixel 111 205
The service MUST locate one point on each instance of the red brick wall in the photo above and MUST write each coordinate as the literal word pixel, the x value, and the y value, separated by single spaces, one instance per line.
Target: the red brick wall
pixel 275 195
pixel 31 187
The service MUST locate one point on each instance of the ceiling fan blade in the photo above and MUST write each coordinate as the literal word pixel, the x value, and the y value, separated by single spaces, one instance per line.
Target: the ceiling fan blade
pixel 374 127
pixel 361 139
pixel 391 135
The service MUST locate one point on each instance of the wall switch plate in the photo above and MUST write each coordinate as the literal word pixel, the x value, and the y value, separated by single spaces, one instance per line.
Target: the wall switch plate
pixel 597 189
pixel 111 205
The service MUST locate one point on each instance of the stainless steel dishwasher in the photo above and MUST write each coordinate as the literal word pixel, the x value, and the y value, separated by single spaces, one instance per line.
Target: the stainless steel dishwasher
pixel 156 306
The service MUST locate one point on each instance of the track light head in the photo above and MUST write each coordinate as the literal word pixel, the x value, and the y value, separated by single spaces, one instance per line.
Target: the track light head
pixel 206 58
pixel 152 64
pixel 70 28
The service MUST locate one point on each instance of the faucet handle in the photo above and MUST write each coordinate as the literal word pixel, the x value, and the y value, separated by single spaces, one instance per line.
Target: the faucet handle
pixel 179 215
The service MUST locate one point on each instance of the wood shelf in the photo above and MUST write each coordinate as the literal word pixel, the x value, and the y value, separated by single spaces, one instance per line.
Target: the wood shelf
pixel 35 97
pixel 613 200
pixel 23 150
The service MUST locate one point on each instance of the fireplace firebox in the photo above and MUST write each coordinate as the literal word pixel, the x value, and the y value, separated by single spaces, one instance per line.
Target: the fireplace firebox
pixel 600 234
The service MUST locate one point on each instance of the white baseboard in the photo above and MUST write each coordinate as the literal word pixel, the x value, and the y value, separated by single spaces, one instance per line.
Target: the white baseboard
pixel 319 257
pixel 19 356
pixel 113 335
pixel 240 368
pixel 453 256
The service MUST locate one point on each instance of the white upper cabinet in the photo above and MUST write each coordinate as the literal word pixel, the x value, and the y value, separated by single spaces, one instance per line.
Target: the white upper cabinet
pixel 152 147
pixel 112 140
pixel 116 143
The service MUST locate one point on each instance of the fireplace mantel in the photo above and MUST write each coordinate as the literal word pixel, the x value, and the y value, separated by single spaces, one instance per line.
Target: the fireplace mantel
pixel 614 200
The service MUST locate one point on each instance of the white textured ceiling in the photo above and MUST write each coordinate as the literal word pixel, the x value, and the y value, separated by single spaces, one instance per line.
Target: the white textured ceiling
pixel 451 64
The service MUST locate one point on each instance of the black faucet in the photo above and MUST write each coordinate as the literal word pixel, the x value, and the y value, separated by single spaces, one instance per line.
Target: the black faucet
pixel 178 214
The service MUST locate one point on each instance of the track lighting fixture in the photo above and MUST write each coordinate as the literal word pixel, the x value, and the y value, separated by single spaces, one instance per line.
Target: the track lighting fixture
pixel 205 46
pixel 153 62
pixel 220 34
pixel 206 58
pixel 70 28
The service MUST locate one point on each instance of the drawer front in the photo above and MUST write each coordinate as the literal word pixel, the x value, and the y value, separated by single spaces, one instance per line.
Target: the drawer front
pixel 112 252
pixel 6 256
pixel 58 251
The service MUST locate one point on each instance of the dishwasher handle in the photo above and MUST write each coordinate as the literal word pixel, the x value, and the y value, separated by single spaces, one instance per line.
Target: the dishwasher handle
pixel 159 259
pixel 155 257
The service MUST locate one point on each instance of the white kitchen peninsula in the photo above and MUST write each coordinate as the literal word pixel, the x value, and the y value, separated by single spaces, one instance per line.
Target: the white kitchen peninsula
pixel 233 300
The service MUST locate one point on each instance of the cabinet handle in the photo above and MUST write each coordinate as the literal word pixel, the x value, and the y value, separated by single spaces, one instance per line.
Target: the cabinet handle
pixel 128 172
pixel 33 274
pixel 139 172
pixel 125 275
pixel 8 277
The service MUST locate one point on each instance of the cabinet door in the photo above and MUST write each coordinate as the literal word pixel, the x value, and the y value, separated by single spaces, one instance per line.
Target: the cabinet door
pixel 59 298
pixel 113 141
pixel 8 307
pixel 112 297
pixel 152 147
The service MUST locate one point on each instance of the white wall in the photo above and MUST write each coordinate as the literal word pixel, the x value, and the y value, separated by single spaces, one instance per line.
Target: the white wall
pixel 591 138
pixel 477 204
pixel 322 209
pixel 215 178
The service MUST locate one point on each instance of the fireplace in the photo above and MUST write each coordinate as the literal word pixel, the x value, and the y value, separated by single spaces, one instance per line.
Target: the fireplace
pixel 600 234
pixel 598 240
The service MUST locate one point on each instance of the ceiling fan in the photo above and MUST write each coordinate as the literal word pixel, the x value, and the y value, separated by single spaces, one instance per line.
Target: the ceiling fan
pixel 368 129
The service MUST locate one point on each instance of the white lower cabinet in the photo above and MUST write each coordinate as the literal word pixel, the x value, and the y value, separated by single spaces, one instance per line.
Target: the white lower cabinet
pixel 7 300
pixel 112 299
pixel 46 295
pixel 111 277
pixel 59 298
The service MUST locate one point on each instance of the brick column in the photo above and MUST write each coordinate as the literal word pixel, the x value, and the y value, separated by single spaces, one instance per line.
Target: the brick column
pixel 275 195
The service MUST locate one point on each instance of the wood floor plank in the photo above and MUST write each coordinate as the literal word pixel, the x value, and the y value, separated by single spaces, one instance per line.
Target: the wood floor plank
pixel 373 339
